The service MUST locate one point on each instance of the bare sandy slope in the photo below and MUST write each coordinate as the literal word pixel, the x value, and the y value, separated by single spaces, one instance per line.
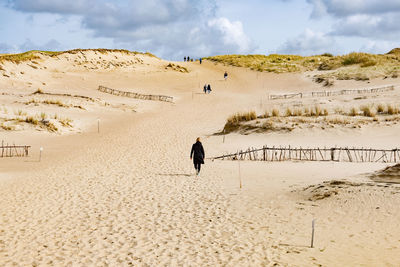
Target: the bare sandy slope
pixel 128 195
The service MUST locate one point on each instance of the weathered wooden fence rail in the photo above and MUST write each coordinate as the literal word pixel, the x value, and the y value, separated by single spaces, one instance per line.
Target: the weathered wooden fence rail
pixel 135 95
pixel 332 93
pixel 13 151
pixel 338 154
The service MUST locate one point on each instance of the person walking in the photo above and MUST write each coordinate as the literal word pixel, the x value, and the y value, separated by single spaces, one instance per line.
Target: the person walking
pixel 209 88
pixel 184 59
pixel 197 154
pixel 205 88
pixel 188 59
pixel 225 75
pixel 200 60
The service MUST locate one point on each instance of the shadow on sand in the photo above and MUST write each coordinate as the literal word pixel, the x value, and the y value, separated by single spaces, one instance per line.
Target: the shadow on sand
pixel 175 174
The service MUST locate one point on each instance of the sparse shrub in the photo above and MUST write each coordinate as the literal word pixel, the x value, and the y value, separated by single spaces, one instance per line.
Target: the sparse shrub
pixel 66 122
pixel 307 111
pixel 355 58
pixel 298 112
pixel 31 120
pixel 367 111
pixel 326 55
pixel 51 127
pixel 338 110
pixel 288 112
pixel 316 112
pixel 275 112
pixel 7 127
pixel 380 108
pixel 266 114
pixel 328 83
pixel 353 112
pixel 43 115
pixel 361 77
pixel 20 113
pixel 391 110
pixel 239 117
pixel 325 113
pixel 368 63
pixel 38 91
pixel 327 66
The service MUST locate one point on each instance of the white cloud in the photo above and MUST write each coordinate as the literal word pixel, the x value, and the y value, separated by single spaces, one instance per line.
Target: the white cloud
pixel 7 49
pixel 309 43
pixel 52 45
pixel 361 18
pixel 344 8
pixel 232 34
pixel 369 26
pixel 169 28
pixel 379 47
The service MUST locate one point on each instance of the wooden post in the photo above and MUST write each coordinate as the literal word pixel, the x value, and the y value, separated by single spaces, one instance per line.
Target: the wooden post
pixel 40 153
pixel 312 233
pixel 240 176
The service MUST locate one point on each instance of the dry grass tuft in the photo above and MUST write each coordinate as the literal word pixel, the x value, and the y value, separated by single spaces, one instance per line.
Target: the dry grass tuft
pixel 391 110
pixel 367 111
pixel 66 122
pixel 275 112
pixel 380 108
pixel 353 112
pixel 38 92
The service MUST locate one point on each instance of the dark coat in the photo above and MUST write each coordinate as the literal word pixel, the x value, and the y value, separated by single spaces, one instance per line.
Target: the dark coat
pixel 197 153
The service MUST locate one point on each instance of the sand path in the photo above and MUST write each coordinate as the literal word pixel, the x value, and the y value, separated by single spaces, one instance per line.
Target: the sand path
pixel 129 197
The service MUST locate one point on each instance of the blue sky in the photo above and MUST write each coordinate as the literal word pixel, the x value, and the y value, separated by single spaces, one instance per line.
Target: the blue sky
pixel 175 28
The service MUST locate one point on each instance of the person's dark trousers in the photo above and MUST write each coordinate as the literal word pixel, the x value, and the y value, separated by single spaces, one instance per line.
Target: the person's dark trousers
pixel 197 166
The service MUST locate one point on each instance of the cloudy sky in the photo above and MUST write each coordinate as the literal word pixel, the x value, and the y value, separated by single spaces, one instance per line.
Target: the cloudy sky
pixel 174 28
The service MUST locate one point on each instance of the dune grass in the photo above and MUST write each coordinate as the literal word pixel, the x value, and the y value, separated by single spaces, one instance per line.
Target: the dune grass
pixel 353 66
pixel 310 116
pixel 35 54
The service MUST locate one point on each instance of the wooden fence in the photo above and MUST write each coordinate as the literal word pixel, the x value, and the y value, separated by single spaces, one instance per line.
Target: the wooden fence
pixel 135 95
pixel 332 93
pixel 13 151
pixel 337 154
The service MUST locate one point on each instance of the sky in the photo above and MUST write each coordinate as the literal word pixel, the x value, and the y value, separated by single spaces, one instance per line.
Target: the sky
pixel 172 29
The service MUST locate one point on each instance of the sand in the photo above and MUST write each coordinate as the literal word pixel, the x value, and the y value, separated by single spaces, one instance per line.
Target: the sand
pixel 128 195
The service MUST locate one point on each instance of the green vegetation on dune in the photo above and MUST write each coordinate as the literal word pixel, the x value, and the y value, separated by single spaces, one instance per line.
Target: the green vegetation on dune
pixel 361 66
pixel 34 54
pixel 271 63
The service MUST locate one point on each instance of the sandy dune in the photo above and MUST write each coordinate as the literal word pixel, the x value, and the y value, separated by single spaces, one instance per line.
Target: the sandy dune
pixel 128 195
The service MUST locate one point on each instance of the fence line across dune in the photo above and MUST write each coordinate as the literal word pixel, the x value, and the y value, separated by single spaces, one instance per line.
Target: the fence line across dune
pixel 135 95
pixel 332 93
pixel 337 154
pixel 13 151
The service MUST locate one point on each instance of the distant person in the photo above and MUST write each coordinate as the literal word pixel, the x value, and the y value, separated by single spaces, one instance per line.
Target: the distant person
pixel 200 60
pixel 225 75
pixel 208 88
pixel 197 154
pixel 205 88
pixel 188 59
pixel 191 59
pixel 184 59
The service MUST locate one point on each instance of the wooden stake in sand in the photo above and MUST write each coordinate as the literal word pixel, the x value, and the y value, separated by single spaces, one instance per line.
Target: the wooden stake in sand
pixel 240 176
pixel 40 153
pixel 312 233
pixel 98 125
